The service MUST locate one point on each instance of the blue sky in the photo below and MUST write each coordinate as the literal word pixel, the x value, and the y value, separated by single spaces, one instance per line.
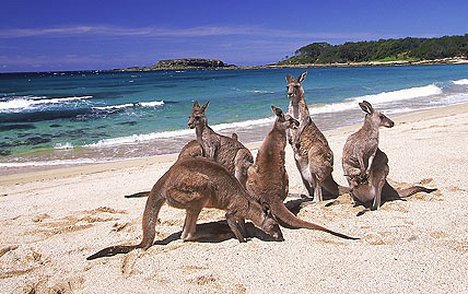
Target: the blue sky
pixel 70 35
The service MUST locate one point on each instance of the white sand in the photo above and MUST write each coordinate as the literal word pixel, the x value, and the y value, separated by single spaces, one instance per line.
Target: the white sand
pixel 51 221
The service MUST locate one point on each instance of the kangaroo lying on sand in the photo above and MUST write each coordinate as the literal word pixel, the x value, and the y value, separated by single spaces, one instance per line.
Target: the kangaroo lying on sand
pixel 267 179
pixel 313 156
pixel 193 184
pixel 227 151
pixel 366 166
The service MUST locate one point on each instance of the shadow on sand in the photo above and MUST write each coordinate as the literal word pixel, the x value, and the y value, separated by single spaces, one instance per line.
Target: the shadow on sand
pixel 217 232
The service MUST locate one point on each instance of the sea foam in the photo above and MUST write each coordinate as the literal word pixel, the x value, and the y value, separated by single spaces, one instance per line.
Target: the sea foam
pixel 130 105
pixel 461 82
pixel 20 103
pixel 380 98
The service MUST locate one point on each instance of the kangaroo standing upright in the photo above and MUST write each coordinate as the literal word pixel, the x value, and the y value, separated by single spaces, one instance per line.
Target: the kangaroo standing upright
pixel 227 151
pixel 366 166
pixel 267 179
pixel 193 184
pixel 313 155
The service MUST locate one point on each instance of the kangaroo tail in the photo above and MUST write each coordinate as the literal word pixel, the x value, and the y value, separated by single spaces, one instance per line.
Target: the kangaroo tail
pixel 413 190
pixel 289 220
pixel 150 217
pixel 139 194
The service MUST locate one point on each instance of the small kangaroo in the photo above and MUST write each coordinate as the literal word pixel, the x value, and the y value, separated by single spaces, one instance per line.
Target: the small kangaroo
pixel 193 148
pixel 227 151
pixel 267 178
pixel 192 184
pixel 313 155
pixel 366 166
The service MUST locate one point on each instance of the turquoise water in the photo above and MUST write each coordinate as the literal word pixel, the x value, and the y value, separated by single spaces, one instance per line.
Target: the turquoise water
pixel 94 115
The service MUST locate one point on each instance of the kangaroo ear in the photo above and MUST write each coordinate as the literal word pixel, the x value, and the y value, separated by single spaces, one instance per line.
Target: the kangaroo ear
pixel 205 106
pixel 366 107
pixel 289 78
pixel 196 104
pixel 302 77
pixel 277 111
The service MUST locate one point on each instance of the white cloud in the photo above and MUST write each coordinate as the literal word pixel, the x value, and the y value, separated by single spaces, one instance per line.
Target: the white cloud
pixel 155 32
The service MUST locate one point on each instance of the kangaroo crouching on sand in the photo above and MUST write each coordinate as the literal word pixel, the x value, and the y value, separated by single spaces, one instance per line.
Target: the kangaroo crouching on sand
pixel 366 166
pixel 267 179
pixel 190 150
pixel 313 155
pixel 227 151
pixel 193 184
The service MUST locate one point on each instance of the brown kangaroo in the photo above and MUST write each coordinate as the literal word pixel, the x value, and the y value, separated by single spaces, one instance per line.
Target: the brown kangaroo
pixel 267 179
pixel 193 184
pixel 313 155
pixel 191 149
pixel 227 151
pixel 366 166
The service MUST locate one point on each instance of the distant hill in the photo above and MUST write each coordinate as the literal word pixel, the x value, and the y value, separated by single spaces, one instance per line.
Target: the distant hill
pixel 183 63
pixel 406 49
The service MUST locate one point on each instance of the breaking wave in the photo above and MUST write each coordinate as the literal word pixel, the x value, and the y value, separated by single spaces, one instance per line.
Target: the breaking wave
pixel 20 103
pixel 461 82
pixel 130 105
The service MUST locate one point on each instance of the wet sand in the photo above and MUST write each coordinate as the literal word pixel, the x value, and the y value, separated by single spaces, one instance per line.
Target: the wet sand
pixel 52 220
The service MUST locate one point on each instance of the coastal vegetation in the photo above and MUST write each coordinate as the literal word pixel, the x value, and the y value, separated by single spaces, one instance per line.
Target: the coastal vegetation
pixel 182 63
pixel 384 50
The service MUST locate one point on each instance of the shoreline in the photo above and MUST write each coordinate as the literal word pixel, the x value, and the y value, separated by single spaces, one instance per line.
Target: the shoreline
pixel 58 172
pixel 445 61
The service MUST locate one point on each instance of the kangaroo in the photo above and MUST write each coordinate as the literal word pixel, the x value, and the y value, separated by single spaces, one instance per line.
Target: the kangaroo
pixel 227 151
pixel 366 166
pixel 193 184
pixel 313 155
pixel 191 149
pixel 267 178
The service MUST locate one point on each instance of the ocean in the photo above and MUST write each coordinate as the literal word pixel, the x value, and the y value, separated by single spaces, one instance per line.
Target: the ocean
pixel 68 118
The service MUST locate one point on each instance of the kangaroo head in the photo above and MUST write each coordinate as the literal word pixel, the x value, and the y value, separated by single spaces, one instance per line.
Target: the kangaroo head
pixel 269 224
pixel 376 118
pixel 284 121
pixel 294 87
pixel 197 116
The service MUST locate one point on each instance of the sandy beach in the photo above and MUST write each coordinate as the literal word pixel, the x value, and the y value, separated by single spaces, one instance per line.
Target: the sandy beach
pixel 52 220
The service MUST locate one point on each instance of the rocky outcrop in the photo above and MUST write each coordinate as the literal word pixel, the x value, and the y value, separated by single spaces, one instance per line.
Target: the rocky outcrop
pixel 190 63
pixel 183 63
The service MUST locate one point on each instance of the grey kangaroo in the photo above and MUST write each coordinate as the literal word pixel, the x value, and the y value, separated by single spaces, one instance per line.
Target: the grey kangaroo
pixel 366 166
pixel 313 155
pixel 267 179
pixel 193 184
pixel 227 151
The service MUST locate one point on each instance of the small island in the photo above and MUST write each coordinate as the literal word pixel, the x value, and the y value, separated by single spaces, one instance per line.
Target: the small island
pixel 183 63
